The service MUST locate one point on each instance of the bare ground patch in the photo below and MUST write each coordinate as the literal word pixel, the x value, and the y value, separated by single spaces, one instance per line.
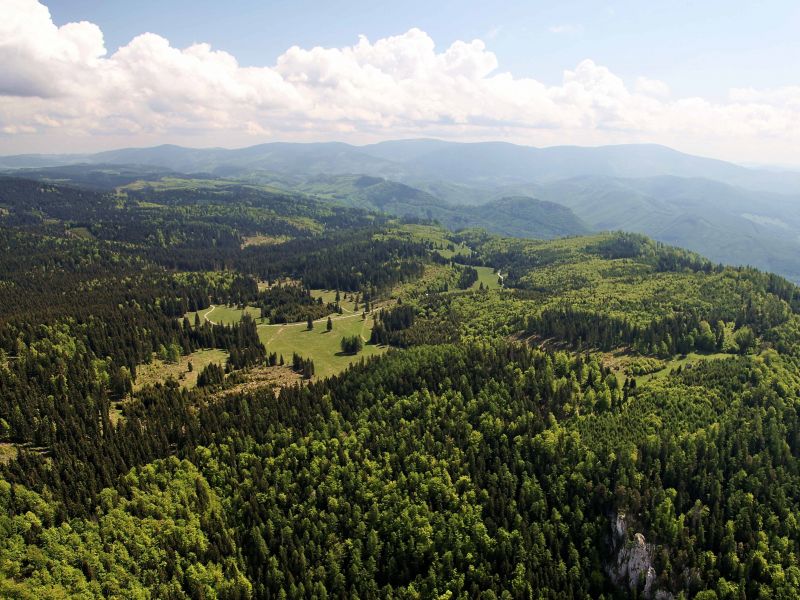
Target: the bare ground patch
pixel 261 377
pixel 8 452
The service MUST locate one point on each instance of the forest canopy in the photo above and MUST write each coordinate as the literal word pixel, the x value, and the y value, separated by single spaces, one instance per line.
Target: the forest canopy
pixel 590 417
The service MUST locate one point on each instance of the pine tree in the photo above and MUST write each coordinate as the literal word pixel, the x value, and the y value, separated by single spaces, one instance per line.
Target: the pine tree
pixel 308 369
pixel 330 324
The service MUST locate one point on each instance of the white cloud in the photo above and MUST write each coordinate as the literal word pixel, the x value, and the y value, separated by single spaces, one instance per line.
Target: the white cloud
pixel 61 90
pixel 651 87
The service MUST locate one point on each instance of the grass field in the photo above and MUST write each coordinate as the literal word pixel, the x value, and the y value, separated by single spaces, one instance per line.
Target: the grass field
pixel 225 315
pixel 683 362
pixel 81 232
pixel 265 240
pixel 487 277
pixel 159 371
pixel 460 253
pixel 433 278
pixel 318 344
pixel 181 183
pixel 329 297
pixel 228 315
pixel 429 233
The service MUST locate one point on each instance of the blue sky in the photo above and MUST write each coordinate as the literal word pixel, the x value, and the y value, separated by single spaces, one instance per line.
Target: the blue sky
pixel 699 48
pixel 709 77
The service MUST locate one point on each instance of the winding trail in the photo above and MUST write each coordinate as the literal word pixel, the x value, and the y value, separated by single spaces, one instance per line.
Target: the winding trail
pixel 208 312
pixel 281 327
pixel 305 324
pixel 351 314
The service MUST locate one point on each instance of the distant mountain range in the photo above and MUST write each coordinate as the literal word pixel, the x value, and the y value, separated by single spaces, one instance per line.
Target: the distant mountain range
pixel 492 163
pixel 727 212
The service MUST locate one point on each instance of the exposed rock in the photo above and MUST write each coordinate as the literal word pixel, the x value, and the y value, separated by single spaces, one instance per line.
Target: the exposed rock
pixel 634 564
pixel 620 528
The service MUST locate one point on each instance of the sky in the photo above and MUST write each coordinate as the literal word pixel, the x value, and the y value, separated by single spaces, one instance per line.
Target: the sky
pixel 707 77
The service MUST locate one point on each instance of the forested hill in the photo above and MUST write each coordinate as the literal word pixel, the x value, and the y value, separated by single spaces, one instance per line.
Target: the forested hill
pixel 688 202
pixel 519 216
pixel 516 215
pixel 187 409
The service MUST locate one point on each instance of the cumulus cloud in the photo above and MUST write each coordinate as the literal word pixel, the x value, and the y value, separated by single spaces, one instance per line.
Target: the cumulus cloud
pixel 651 87
pixel 59 88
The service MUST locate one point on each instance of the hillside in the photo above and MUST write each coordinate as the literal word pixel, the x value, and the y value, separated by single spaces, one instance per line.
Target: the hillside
pixel 515 216
pixel 520 216
pixel 731 214
pixel 609 416
pixel 725 223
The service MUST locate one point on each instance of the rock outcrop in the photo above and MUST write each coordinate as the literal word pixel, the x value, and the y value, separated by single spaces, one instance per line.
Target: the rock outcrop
pixel 633 566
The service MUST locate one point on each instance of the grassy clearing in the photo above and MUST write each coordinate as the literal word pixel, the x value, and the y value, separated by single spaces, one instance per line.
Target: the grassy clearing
pixel 225 315
pixel 621 361
pixel 265 285
pixel 329 297
pixel 265 240
pixel 261 377
pixel 229 315
pixel 487 277
pixel 682 361
pixel 81 233
pixel 176 183
pixel 429 233
pixel 320 345
pixel 433 279
pixel 159 371
pixel 435 235
pixel 461 252
pixel 8 452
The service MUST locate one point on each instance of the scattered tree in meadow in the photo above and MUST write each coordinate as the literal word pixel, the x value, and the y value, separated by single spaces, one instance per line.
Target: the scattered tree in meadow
pixel 352 344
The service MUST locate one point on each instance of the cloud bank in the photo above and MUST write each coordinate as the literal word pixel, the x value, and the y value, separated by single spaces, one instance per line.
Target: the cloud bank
pixel 60 89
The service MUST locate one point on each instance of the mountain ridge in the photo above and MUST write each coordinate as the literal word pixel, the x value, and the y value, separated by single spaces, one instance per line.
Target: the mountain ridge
pixel 440 159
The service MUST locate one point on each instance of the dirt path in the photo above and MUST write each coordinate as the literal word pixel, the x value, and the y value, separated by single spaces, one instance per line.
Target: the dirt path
pixel 208 312
pixel 305 324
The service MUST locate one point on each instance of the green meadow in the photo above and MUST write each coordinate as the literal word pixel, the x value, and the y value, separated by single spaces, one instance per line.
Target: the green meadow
pixel 318 344
pixel 321 346
pixel 487 277
pixel 225 315
pixel 687 361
